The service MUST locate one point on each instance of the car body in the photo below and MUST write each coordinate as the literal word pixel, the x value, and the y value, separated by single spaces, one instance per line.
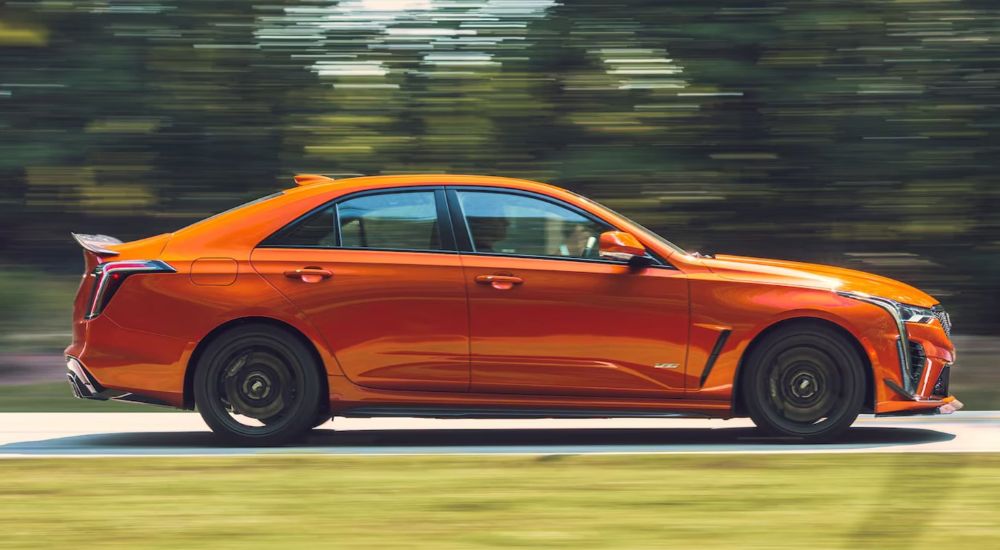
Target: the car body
pixel 448 295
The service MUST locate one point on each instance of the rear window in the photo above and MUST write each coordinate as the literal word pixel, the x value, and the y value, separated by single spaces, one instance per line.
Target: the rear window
pixel 240 207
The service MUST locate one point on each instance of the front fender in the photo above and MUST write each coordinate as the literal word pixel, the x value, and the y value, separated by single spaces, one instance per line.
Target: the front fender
pixel 749 310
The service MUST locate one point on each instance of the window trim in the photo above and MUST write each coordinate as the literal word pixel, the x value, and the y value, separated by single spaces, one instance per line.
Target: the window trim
pixel 452 228
pixel 446 232
pixel 464 237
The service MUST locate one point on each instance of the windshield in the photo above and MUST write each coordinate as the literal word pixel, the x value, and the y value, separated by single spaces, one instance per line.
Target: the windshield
pixel 645 232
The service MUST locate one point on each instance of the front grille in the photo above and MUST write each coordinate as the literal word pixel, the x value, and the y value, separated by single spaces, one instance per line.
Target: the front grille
pixel 941 386
pixel 943 318
pixel 918 362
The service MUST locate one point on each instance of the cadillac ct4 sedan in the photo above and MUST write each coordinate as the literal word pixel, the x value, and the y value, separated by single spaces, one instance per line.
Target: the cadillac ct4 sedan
pixel 471 296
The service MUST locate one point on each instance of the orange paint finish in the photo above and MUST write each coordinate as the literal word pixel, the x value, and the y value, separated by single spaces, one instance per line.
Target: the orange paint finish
pixel 167 316
pixel 459 328
pixel 397 320
pixel 345 396
pixel 577 328
pixel 750 308
pixel 621 245
pixel 892 407
pixel 939 352
pixel 133 360
pixel 214 271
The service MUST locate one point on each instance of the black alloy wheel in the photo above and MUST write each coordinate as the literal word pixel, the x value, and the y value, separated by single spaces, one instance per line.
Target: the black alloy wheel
pixel 805 381
pixel 258 385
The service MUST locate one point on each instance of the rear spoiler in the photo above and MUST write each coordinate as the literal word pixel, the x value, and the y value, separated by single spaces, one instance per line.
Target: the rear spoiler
pixel 98 244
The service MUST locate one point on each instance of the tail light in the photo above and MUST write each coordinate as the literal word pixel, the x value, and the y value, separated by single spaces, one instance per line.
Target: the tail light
pixel 108 278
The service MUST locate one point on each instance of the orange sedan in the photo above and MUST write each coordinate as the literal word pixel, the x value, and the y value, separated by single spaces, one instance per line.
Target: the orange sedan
pixel 472 296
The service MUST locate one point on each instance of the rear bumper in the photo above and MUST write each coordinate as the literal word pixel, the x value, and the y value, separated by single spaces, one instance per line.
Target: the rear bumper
pixel 85 386
pixel 129 361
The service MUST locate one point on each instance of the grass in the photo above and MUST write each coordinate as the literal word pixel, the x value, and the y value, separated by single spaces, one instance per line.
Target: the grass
pixel 888 501
pixel 58 397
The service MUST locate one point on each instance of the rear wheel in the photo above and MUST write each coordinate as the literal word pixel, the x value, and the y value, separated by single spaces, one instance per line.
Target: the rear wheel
pixel 321 418
pixel 258 385
pixel 805 381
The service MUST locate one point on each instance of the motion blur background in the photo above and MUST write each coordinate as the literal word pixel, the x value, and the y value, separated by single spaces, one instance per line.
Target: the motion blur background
pixel 861 134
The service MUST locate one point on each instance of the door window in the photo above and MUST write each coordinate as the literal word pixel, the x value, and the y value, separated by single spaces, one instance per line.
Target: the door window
pixel 316 231
pixel 405 220
pixel 505 223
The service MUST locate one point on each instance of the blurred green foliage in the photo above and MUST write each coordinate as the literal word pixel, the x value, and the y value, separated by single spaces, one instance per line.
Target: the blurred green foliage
pixel 35 312
pixel 856 133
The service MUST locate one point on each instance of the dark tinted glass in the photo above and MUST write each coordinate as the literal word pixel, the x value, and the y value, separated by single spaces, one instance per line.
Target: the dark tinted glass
pixel 318 230
pixel 401 221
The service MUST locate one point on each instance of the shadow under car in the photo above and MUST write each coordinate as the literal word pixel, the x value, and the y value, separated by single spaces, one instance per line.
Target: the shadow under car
pixel 477 441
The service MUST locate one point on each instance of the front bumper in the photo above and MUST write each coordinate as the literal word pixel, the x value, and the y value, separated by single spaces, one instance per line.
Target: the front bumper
pixel 917 406
pixel 918 382
pixel 931 357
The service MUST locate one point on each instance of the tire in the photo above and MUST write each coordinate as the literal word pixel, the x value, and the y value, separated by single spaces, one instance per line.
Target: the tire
pixel 321 418
pixel 258 385
pixel 805 382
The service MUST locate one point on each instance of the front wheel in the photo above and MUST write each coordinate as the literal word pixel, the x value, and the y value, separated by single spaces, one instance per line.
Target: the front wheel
pixel 804 382
pixel 257 385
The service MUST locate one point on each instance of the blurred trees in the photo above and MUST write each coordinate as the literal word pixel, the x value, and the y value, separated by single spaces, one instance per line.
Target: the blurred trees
pixel 858 133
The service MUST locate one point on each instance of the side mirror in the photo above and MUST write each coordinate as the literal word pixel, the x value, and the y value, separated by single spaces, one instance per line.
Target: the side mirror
pixel 619 245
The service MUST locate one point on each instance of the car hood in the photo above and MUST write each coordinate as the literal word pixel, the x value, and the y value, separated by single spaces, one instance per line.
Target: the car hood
pixel 814 275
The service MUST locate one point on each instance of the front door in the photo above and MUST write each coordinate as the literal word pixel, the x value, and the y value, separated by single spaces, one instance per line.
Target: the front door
pixel 380 280
pixel 549 316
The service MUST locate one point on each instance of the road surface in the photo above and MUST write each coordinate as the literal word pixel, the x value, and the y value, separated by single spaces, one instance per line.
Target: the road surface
pixel 184 434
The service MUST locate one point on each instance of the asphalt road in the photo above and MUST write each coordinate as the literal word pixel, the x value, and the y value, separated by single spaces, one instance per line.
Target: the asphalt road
pixel 184 434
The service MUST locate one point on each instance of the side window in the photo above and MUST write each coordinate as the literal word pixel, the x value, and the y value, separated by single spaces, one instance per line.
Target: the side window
pixel 505 223
pixel 318 230
pixel 406 220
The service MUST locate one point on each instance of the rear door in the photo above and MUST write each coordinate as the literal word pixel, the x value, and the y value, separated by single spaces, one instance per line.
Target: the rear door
pixel 378 275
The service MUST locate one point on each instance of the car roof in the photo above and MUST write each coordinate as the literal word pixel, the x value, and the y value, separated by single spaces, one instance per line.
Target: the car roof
pixel 316 185
pixel 237 231
pixel 313 190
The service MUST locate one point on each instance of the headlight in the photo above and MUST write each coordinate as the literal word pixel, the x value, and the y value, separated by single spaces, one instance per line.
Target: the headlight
pixel 915 314
pixel 904 312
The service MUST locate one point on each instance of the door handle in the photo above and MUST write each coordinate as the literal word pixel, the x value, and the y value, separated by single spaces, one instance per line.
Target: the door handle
pixel 309 274
pixel 499 282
